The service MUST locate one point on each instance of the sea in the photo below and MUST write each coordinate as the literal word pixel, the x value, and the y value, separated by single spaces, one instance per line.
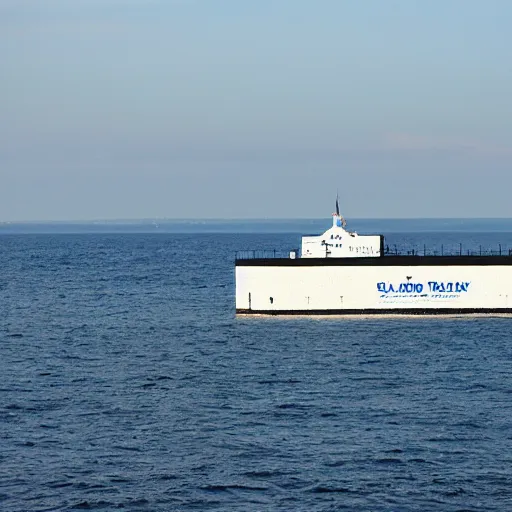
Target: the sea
pixel 127 382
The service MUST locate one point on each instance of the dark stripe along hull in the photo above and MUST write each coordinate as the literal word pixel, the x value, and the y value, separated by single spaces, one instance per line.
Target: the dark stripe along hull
pixel 383 261
pixel 377 311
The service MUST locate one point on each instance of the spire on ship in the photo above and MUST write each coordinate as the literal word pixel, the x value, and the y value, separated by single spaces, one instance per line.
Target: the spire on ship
pixel 338 218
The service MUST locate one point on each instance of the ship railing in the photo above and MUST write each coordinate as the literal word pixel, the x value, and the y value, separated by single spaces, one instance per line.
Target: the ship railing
pixel 265 254
pixel 388 251
pixel 459 250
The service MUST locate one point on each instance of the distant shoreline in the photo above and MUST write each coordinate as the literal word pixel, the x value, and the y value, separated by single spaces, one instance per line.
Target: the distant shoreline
pixel 243 220
pixel 295 226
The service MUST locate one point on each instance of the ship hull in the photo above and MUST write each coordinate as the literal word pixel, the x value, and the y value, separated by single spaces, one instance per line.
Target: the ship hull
pixel 390 285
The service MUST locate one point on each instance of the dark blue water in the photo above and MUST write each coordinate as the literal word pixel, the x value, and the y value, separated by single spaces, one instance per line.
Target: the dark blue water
pixel 127 382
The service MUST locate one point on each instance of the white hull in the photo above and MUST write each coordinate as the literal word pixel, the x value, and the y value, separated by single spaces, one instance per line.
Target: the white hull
pixel 383 285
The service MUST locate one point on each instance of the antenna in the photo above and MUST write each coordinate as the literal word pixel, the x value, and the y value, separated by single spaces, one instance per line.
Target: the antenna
pixel 342 221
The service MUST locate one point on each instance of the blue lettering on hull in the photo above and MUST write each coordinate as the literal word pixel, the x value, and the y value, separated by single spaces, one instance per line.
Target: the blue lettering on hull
pixel 431 289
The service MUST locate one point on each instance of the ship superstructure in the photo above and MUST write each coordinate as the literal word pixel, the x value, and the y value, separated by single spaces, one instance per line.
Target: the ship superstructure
pixel 338 242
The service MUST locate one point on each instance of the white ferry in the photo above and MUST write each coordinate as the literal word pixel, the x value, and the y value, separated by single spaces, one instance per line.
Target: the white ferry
pixel 342 272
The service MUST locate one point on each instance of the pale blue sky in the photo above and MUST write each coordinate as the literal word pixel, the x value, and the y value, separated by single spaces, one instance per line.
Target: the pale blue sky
pixel 216 108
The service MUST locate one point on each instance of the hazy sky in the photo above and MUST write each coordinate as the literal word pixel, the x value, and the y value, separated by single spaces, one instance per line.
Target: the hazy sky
pixel 256 108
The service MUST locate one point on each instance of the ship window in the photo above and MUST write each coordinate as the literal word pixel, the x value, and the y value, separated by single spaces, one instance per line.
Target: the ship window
pixel 332 236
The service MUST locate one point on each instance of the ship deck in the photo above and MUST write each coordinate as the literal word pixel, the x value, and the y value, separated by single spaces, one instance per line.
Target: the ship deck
pixel 390 260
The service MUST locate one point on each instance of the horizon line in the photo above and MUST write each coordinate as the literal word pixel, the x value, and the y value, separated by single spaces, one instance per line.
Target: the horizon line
pixel 152 220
